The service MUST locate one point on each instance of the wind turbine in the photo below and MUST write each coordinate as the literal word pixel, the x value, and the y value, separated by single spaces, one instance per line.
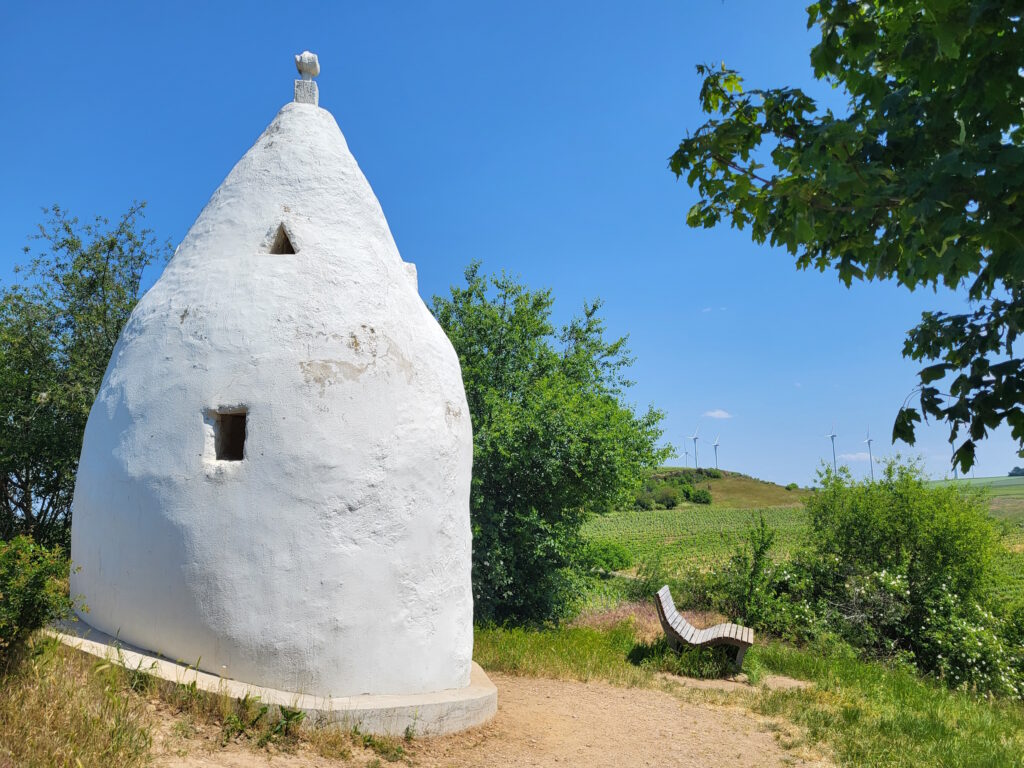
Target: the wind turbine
pixel 832 436
pixel 871 459
pixel 695 438
pixel 686 456
pixel 715 444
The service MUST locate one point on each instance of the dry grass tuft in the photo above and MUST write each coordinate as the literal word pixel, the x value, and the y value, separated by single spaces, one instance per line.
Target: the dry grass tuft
pixel 62 708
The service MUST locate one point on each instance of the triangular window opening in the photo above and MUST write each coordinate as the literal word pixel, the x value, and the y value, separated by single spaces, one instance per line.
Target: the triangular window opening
pixel 282 243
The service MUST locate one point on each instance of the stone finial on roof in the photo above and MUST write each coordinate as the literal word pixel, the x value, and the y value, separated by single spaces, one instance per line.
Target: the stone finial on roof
pixel 306 91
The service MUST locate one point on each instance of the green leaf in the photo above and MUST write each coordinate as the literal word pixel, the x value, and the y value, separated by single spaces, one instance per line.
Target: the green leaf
pixel 933 373
pixel 903 428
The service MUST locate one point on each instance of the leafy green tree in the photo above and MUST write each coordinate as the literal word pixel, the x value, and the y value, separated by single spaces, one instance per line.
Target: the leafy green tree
pixel 553 439
pixel 57 332
pixel 917 180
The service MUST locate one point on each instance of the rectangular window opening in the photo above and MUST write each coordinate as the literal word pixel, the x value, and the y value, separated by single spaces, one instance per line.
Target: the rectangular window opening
pixel 229 433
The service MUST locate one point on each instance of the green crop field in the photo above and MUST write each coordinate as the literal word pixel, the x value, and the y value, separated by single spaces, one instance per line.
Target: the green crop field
pixel 692 535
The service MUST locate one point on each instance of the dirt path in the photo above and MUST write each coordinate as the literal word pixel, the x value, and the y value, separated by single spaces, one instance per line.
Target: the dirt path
pixel 550 723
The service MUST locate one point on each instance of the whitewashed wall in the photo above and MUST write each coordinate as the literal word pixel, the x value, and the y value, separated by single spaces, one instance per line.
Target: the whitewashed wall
pixel 335 558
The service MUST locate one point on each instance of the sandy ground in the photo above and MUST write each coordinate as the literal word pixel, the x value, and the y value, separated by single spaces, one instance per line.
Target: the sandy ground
pixel 551 723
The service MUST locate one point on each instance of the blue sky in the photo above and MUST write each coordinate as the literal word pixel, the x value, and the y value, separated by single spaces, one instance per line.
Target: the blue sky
pixel 533 136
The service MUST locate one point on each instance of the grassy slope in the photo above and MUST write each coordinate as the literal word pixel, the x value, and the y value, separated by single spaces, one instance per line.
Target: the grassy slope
pixel 692 534
pixel 739 491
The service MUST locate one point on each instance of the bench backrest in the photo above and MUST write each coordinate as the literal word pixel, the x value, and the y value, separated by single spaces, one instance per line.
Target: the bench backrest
pixel 670 617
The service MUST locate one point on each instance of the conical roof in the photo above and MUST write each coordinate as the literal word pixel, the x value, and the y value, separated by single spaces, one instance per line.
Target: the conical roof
pixel 275 474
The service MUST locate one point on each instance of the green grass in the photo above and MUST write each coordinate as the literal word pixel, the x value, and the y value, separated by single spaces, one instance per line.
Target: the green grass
pixel 59 707
pixel 692 535
pixel 866 712
pixel 565 653
pixel 876 715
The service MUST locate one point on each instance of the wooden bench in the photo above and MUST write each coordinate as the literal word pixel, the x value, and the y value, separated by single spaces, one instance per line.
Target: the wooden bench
pixel 679 632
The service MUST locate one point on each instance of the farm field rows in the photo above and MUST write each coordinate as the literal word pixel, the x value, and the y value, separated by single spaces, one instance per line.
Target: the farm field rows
pixel 692 534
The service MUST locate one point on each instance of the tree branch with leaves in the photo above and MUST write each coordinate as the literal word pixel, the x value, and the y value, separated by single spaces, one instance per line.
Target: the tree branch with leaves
pixel 58 329
pixel 919 180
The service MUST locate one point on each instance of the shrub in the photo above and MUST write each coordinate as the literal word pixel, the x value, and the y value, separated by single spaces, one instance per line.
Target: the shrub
pixel 792 487
pixel 745 581
pixel 961 643
pixel 700 496
pixel 1013 625
pixel 667 495
pixel 752 589
pixel 937 538
pixel 609 556
pixel 900 568
pixel 33 592
pixel 644 500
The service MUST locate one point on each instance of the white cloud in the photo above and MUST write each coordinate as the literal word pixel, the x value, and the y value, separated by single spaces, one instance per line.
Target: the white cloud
pixel 706 309
pixel 718 413
pixel 858 456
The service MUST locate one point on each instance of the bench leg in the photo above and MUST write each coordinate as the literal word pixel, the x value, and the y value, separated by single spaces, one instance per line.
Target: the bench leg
pixel 740 653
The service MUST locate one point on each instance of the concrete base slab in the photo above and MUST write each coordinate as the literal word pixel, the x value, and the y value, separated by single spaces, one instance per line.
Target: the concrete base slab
pixel 424 714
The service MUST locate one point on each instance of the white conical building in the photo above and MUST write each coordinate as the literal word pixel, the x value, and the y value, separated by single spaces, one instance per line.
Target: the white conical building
pixel 275 477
